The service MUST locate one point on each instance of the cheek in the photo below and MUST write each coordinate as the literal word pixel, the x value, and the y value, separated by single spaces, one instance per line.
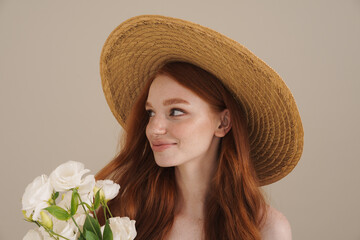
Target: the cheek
pixel 147 131
pixel 193 132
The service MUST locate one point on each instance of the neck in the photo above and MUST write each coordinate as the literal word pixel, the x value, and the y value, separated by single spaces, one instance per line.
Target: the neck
pixel 193 179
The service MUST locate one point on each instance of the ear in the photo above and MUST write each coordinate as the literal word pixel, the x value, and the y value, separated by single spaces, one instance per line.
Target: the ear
pixel 225 124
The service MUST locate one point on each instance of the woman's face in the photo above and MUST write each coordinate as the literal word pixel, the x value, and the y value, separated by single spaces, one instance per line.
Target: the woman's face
pixel 182 127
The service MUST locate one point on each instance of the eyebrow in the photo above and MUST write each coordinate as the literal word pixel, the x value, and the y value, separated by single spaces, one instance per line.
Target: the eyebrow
pixel 170 102
pixel 174 101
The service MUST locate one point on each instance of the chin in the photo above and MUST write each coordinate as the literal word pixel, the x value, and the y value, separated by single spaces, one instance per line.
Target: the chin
pixel 163 161
pixel 164 164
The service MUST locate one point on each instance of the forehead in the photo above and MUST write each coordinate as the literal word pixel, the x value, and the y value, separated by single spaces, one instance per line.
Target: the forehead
pixel 164 86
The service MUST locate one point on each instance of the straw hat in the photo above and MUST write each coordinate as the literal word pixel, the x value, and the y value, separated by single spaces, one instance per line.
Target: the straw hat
pixel 138 47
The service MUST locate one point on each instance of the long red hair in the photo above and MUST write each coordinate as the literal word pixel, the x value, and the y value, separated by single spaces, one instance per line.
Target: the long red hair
pixel 235 207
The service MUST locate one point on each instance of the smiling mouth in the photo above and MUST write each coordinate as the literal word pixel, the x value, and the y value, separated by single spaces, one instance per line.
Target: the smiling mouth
pixel 162 147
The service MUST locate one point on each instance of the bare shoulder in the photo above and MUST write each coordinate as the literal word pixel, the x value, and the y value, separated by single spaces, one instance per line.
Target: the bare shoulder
pixel 276 226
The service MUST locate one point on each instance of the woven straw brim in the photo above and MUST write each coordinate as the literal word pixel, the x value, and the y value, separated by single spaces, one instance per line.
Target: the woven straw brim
pixel 138 47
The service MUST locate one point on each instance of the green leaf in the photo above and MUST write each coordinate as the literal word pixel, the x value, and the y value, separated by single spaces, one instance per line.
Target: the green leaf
pixel 55 196
pixel 92 225
pixel 81 238
pixel 74 202
pixel 108 235
pixel 58 212
pixel 97 200
pixel 91 236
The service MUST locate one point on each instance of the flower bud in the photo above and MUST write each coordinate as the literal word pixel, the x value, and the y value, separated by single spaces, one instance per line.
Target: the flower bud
pixel 102 195
pixel 26 217
pixel 46 220
pixel 109 189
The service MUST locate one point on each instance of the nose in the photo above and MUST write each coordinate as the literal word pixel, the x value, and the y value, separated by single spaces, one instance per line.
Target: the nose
pixel 157 125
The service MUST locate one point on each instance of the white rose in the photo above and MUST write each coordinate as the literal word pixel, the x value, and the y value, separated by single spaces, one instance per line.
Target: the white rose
pixel 69 175
pixel 36 196
pixel 65 201
pixel 66 229
pixel 108 187
pixel 122 228
pixel 87 185
pixel 33 234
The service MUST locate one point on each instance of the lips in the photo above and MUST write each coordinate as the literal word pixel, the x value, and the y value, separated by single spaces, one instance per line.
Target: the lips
pixel 159 146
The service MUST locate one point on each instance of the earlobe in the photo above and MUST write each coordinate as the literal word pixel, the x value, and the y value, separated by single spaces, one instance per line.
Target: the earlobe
pixel 225 124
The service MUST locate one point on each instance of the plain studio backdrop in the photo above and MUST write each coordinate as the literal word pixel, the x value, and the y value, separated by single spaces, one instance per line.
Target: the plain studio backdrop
pixel 53 109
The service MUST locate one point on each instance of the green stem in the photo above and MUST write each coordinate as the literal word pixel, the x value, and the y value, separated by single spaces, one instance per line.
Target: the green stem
pixel 72 217
pixel 108 210
pixel 104 213
pixel 54 233
pixel 51 232
pixel 87 214
pixel 81 203
pixel 96 215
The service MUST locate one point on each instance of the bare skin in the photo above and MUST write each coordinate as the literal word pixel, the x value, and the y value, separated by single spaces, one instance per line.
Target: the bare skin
pixel 185 133
pixel 188 223
pixel 276 227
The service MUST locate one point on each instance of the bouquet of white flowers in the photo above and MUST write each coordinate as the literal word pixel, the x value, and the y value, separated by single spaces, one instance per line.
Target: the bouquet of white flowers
pixel 64 206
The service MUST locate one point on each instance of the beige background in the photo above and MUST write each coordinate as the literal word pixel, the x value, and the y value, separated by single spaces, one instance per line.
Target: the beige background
pixel 53 109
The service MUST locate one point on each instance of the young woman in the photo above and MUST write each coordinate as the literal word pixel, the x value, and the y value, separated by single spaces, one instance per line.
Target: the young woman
pixel 198 143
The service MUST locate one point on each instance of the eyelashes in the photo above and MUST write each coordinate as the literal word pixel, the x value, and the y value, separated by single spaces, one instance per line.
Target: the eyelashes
pixel 150 113
pixel 174 112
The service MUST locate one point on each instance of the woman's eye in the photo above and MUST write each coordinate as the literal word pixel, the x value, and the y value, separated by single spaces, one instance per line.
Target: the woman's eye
pixel 150 113
pixel 176 112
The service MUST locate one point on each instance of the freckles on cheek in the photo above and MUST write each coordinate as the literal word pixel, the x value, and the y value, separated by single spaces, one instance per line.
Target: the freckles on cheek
pixel 182 130
pixel 193 131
